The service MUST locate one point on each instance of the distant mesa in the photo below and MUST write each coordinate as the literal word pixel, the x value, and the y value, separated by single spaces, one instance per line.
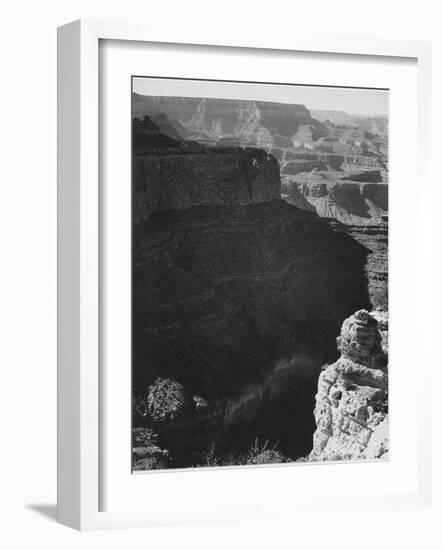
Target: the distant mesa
pixel 377 125
pixel 335 117
pixel 252 122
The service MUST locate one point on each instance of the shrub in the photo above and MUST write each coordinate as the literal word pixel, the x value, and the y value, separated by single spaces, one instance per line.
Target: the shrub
pixel 146 453
pixel 166 399
pixel 210 458
pixel 258 454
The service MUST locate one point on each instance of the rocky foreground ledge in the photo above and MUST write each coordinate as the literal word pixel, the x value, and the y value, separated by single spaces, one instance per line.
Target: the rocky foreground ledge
pixel 351 409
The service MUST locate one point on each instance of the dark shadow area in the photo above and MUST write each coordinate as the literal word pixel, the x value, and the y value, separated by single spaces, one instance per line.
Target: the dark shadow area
pixel 48 511
pixel 222 295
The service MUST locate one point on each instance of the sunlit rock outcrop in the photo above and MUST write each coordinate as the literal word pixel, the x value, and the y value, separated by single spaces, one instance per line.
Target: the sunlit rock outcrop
pixel 351 411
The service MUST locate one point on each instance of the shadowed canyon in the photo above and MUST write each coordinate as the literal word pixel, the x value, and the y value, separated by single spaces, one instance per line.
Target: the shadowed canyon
pixel 258 229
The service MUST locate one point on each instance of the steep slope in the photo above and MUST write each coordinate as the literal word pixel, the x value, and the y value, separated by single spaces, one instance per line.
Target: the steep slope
pixel 375 239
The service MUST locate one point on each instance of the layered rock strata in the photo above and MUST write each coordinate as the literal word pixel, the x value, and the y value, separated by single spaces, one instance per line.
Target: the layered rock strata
pixel 352 200
pixel 172 174
pixel 375 239
pixel 351 411
pixel 356 208
pixel 261 123
pixel 227 277
pixel 218 177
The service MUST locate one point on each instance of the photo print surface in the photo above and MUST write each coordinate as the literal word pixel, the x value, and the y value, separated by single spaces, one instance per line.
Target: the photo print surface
pixel 259 276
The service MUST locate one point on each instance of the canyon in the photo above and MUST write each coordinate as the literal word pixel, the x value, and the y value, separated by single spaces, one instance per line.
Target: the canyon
pixel 317 151
pixel 217 254
pixel 254 237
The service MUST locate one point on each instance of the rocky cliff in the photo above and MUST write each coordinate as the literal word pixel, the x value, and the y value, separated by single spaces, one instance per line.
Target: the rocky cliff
pixel 351 410
pixel 174 174
pixel 344 198
pixel 227 277
pixel 375 239
pixel 180 181
pixel 357 208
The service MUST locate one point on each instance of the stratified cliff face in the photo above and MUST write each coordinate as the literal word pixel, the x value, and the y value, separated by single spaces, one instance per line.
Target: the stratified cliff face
pixel 347 201
pixel 172 174
pixel 375 239
pixel 358 209
pixel 222 291
pixel 351 411
pixel 210 177
pixel 227 277
pixel 254 122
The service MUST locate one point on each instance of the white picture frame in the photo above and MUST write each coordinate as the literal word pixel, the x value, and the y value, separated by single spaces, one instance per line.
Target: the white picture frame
pixel 79 411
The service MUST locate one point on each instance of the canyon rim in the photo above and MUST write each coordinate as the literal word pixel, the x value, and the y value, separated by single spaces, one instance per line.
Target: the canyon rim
pixel 259 278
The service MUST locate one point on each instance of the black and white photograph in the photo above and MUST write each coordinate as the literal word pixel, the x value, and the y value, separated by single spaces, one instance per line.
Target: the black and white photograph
pixel 259 277
pixel 222 275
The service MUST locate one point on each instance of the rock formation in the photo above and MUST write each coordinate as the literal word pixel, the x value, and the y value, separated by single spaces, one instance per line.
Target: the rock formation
pixel 375 239
pixel 351 410
pixel 227 276
pixel 219 177
pixel 261 123
pixel 341 197
pixel 172 174
pixel 358 209
pixel 374 125
pixel 336 117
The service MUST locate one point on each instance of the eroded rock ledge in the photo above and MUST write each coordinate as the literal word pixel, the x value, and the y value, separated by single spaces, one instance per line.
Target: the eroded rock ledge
pixel 169 174
pixel 351 409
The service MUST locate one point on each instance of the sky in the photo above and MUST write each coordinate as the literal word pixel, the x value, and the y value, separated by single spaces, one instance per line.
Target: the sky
pixel 351 100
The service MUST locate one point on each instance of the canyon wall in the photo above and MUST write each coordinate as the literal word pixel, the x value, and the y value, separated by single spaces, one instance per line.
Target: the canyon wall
pixel 351 411
pixel 230 279
pixel 357 209
pixel 220 292
pixel 178 180
pixel 347 201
